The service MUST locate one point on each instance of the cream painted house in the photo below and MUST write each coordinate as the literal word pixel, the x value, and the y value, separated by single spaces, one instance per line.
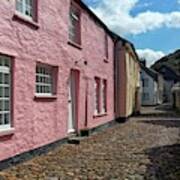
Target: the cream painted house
pixel 133 81
pixel 127 79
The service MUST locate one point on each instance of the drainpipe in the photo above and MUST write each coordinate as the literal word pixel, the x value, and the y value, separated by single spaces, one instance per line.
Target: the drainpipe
pixel 86 104
pixel 115 76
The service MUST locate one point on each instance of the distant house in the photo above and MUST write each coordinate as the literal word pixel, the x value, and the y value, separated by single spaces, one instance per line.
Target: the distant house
pixel 127 79
pixel 151 86
pixel 171 78
pixel 176 96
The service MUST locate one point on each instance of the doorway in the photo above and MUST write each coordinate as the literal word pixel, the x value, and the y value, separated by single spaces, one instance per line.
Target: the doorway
pixel 73 94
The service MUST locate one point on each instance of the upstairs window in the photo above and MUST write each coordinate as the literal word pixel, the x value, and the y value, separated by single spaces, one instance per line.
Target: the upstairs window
pixel 100 101
pixel 44 80
pixel 145 82
pixel 74 24
pixel 97 89
pixel 104 96
pixel 26 7
pixel 5 92
pixel 106 46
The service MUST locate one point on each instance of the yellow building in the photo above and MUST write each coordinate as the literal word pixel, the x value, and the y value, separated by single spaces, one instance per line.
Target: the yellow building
pixel 127 79
pixel 133 81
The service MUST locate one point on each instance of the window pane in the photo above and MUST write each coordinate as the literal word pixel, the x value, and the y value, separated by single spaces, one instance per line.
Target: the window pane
pixel 6 62
pixel 19 5
pixel 6 78
pixel 97 95
pixel 46 89
pixel 7 118
pixel 1 105
pixel 6 92
pixel 1 120
pixel 103 96
pixel 1 78
pixel 43 80
pixel 37 79
pixel 6 105
pixel 74 24
pixel 37 89
pixel 1 61
pixel 1 91
pixel 25 7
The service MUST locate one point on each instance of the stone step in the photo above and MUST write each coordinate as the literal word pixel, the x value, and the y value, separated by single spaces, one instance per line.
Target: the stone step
pixel 75 140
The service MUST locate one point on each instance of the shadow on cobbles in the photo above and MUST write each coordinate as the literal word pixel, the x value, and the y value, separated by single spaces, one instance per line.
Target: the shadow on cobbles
pixel 164 107
pixel 166 123
pixel 164 163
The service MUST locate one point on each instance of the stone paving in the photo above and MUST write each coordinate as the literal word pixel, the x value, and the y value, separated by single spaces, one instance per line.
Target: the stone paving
pixel 142 148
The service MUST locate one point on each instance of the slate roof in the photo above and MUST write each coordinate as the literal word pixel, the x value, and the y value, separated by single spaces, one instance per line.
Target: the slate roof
pixel 112 34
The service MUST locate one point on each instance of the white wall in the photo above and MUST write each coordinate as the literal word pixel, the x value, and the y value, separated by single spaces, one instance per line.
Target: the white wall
pixel 149 95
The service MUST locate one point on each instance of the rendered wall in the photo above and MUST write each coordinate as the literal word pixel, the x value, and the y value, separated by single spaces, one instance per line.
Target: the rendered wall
pixel 42 120
pixel 151 89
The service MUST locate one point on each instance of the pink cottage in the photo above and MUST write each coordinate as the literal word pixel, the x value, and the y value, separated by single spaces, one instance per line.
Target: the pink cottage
pixel 56 73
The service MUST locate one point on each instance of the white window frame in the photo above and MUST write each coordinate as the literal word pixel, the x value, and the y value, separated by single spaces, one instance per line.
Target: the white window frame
pixel 100 103
pixel 5 70
pixel 96 100
pixel 25 7
pixel 104 96
pixel 46 73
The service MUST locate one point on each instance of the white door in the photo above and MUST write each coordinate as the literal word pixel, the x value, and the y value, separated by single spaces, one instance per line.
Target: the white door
pixel 72 104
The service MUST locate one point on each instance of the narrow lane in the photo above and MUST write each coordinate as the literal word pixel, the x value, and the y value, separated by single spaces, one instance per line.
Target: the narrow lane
pixel 142 148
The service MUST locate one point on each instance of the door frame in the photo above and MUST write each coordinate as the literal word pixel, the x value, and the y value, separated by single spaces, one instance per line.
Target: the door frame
pixel 74 76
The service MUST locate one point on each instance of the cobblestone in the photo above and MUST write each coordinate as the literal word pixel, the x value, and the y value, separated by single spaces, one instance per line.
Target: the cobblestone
pixel 142 148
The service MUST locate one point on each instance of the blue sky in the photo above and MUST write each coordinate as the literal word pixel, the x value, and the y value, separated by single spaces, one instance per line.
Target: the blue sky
pixel 152 25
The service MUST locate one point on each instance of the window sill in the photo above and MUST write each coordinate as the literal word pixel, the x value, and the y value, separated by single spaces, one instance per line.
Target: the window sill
pixel 106 60
pixel 7 132
pixel 37 96
pixel 25 19
pixel 99 115
pixel 78 46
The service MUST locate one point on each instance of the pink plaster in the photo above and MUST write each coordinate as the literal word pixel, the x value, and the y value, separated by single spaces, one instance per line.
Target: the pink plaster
pixel 38 122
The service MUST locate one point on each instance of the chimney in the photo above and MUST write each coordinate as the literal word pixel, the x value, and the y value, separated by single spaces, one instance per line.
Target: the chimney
pixel 143 62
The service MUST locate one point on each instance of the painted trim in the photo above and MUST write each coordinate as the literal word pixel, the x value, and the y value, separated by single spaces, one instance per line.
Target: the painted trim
pixel 78 46
pixel 39 96
pixel 7 132
pixel 23 18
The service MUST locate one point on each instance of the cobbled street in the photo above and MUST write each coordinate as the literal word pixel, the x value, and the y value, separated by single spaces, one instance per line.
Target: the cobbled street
pixel 141 148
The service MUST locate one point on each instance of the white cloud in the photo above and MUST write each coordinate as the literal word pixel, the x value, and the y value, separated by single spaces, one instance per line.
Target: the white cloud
pixel 116 14
pixel 150 55
pixel 178 1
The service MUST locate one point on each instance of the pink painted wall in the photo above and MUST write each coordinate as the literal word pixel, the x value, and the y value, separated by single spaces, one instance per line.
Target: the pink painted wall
pixel 40 121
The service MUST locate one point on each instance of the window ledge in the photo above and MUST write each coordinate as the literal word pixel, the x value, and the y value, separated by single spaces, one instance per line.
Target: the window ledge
pixel 78 46
pixel 25 19
pixel 106 60
pixel 99 115
pixel 7 132
pixel 38 96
